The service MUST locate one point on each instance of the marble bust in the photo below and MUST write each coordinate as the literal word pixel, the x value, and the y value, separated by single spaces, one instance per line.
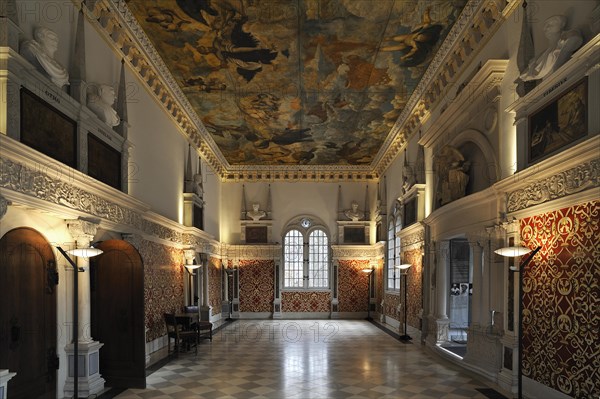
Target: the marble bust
pixel 198 189
pixel 256 214
pixel 100 100
pixel 354 214
pixel 561 45
pixel 40 52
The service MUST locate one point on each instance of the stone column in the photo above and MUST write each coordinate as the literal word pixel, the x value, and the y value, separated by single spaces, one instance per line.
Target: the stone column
pixel 89 381
pixel 476 261
pixel 441 292
pixel 83 232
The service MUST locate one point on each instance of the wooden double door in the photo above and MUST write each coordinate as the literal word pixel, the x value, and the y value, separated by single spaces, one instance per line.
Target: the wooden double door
pixel 28 281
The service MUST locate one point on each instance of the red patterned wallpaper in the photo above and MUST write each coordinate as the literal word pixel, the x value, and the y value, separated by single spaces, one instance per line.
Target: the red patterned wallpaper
pixel 306 301
pixel 391 305
pixel 379 293
pixel 214 285
pixel 257 283
pixel 353 285
pixel 415 287
pixel 561 299
pixel 163 285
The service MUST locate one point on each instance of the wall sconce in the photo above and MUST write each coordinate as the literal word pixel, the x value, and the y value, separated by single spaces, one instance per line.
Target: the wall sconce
pixel 514 251
pixel 405 267
pixel 82 253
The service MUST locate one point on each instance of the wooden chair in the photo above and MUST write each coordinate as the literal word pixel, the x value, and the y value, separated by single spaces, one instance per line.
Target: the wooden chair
pixel 202 327
pixel 176 332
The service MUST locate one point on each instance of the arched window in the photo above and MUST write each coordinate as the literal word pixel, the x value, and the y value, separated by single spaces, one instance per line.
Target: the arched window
pixel 393 256
pixel 305 257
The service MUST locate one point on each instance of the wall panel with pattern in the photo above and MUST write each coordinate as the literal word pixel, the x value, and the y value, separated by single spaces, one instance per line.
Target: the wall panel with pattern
pixel 561 298
pixel 214 285
pixel 353 285
pixel 415 287
pixel 306 301
pixel 257 285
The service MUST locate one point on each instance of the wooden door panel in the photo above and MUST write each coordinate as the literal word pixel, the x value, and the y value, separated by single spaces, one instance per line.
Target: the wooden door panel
pixel 118 313
pixel 28 316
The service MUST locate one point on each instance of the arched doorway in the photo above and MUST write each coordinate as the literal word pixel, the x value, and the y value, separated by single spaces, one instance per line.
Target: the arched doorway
pixel 117 312
pixel 28 280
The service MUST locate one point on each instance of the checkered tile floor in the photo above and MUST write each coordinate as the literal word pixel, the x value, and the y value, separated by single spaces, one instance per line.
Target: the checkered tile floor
pixel 307 359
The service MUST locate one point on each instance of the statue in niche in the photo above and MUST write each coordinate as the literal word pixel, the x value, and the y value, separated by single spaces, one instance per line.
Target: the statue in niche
pixel 40 52
pixel 561 45
pixel 408 178
pixel 377 211
pixel 256 214
pixel 354 213
pixel 100 100
pixel 452 173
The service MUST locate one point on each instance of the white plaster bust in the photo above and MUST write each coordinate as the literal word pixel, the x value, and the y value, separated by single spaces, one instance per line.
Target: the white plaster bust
pixel 256 214
pixel 354 214
pixel 561 45
pixel 198 189
pixel 100 100
pixel 40 52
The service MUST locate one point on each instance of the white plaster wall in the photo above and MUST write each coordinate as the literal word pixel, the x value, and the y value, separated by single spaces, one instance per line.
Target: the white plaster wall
pixel 55 231
pixel 290 199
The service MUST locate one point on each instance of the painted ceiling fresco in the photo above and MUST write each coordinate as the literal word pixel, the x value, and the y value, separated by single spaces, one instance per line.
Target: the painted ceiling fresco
pixel 311 82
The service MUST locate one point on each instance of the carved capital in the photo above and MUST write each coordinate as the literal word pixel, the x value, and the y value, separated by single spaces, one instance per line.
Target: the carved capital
pixel 4 203
pixel 189 255
pixel 83 231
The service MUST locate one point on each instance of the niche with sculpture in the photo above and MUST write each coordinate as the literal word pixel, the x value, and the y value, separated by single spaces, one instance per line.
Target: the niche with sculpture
pixel 452 173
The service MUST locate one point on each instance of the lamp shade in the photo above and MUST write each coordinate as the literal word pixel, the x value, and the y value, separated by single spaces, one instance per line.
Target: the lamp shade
pixel 191 267
pixel 367 270
pixel 512 251
pixel 85 252
pixel 403 266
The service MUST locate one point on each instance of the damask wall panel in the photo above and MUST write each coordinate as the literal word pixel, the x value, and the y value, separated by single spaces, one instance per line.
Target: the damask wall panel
pixel 415 287
pixel 257 285
pixel 163 284
pixel 306 301
pixel 214 285
pixel 379 291
pixel 353 285
pixel 561 299
pixel 392 301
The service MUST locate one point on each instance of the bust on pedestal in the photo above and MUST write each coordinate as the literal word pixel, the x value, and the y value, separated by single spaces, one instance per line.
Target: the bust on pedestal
pixel 100 100
pixel 40 52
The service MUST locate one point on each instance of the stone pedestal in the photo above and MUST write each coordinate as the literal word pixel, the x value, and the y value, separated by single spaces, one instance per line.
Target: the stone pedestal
pixel 89 380
pixel 5 376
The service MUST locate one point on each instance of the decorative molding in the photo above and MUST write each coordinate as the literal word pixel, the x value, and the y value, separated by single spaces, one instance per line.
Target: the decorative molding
pixel 254 252
pixel 475 26
pixel 357 252
pixel 562 184
pixel 413 237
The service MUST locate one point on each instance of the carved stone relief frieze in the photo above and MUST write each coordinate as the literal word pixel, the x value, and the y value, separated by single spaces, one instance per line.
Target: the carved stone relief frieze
pixel 4 203
pixel 571 181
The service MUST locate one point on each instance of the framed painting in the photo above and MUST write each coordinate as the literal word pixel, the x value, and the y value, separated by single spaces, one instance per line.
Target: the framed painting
pixel 256 234
pixel 104 162
pixel 48 130
pixel 559 124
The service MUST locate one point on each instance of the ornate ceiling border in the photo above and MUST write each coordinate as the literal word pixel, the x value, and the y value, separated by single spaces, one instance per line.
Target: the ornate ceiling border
pixel 117 24
pixel 475 26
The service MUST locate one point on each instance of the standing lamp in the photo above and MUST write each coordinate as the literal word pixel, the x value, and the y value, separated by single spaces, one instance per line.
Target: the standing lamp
pixel 405 266
pixel 513 252
pixel 190 269
pixel 370 274
pixel 83 253
pixel 230 297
